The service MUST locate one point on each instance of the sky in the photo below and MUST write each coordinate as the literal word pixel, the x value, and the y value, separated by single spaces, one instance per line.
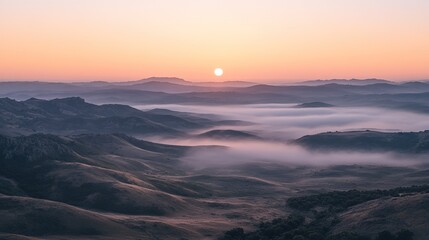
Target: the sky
pixel 270 40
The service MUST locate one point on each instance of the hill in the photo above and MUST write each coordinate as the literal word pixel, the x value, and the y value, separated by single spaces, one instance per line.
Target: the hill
pixel 405 142
pixel 63 169
pixel 344 81
pixel 393 214
pixel 75 116
pixel 58 185
pixel 172 80
pixel 314 105
pixel 177 86
pixel 229 135
pixel 103 186
pixel 36 217
pixel 168 87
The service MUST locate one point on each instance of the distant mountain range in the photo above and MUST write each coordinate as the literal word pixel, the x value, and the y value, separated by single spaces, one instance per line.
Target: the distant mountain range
pixel 177 85
pixel 409 96
pixel 345 82
pixel 167 81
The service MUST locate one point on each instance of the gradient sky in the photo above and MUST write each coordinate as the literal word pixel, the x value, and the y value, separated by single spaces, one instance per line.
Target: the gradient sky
pixel 250 39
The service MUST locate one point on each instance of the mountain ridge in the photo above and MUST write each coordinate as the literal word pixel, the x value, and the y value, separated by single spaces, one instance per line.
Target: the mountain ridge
pixel 75 115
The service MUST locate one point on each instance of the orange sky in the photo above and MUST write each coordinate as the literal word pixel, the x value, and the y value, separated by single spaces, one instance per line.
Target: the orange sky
pixel 251 40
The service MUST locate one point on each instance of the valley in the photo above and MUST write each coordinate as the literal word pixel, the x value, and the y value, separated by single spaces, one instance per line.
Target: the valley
pixel 76 169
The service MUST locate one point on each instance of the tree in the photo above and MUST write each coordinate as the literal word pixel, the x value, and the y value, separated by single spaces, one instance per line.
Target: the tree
pixel 385 235
pixel 404 234
pixel 348 236
pixel 234 234
pixel 315 236
pixel 298 237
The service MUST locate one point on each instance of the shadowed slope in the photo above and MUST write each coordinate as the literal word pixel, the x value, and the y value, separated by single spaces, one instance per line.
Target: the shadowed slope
pixel 68 170
pixel 74 116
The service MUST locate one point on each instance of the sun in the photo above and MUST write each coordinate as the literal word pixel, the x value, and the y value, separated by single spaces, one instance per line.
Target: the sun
pixel 218 72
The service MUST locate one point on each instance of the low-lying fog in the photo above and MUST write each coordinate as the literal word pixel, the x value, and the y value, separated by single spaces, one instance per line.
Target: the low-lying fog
pixel 258 151
pixel 281 123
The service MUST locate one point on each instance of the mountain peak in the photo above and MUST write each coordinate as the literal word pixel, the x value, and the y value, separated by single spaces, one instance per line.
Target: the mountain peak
pixel 164 79
pixel 71 100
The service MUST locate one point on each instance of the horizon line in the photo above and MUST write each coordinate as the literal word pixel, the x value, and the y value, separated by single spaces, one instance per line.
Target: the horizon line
pixel 259 81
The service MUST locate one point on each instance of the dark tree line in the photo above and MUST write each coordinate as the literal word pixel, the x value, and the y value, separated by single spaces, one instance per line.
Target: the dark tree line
pixel 295 228
pixel 319 226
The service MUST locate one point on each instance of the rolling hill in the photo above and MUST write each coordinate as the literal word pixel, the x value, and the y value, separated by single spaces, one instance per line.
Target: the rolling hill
pixel 105 186
pixel 229 135
pixel 75 116
pixel 314 105
pixel 403 142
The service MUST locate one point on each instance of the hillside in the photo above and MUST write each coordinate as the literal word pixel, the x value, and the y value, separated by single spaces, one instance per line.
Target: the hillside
pixel 409 211
pixel 102 186
pixel 404 142
pixel 56 185
pixel 393 214
pixel 63 169
pixel 75 116
pixel 314 105
pixel 228 135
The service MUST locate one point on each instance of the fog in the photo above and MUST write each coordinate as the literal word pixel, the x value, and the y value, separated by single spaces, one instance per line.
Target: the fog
pixel 285 122
pixel 280 123
pixel 244 152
